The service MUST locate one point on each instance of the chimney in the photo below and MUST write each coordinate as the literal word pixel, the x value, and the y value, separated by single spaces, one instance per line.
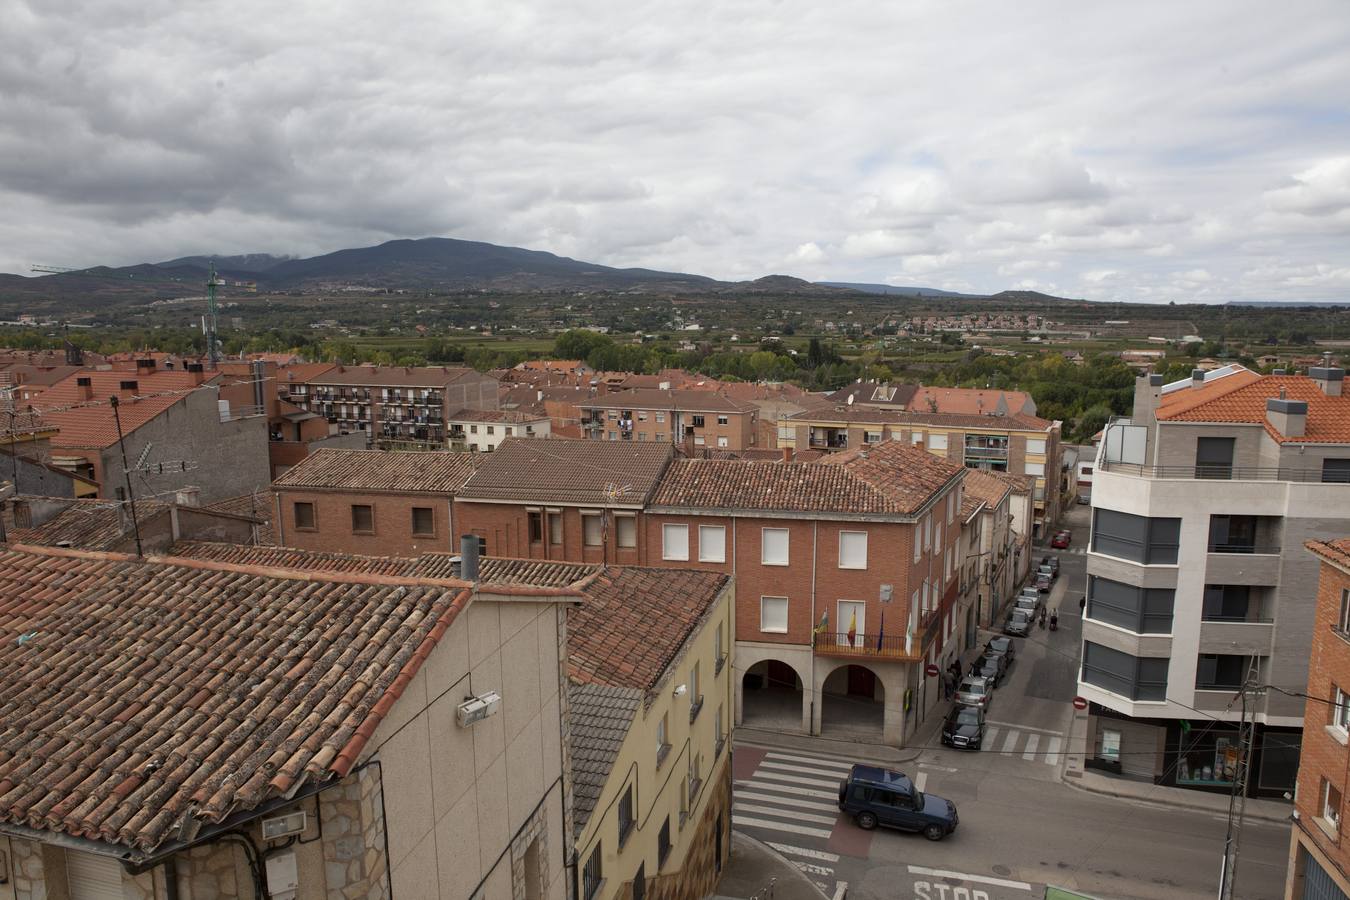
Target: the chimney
pixel 1328 379
pixel 1147 394
pixel 188 496
pixel 1288 417
pixel 145 366
pixel 468 557
pixel 1197 378
pixel 128 385
pixel 787 454
pixel 197 371
pixel 84 387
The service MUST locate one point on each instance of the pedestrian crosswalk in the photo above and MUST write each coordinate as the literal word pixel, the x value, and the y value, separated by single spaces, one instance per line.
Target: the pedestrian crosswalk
pixel 1008 739
pixel 790 800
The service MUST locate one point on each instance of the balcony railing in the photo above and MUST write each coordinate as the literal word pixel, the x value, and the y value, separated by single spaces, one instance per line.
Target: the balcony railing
pixel 885 646
pixel 830 443
pixel 1225 473
pixel 1249 548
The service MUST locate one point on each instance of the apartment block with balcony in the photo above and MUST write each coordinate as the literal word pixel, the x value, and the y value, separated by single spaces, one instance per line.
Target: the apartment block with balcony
pixel 847 574
pixel 400 406
pixel 482 430
pixel 696 419
pixel 1017 442
pixel 1197 580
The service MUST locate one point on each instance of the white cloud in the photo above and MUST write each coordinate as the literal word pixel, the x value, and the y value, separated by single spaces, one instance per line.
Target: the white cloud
pixel 1321 190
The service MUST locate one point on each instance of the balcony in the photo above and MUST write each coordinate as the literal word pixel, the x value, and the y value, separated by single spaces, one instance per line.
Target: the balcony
pixel 989 453
pixel 865 646
pixel 1210 472
pixel 1237 638
pixel 1256 565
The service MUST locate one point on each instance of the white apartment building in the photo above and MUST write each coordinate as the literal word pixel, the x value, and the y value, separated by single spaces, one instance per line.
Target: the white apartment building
pixel 1197 575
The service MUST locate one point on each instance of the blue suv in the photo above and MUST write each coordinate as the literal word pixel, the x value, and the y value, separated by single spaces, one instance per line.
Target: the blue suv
pixel 876 796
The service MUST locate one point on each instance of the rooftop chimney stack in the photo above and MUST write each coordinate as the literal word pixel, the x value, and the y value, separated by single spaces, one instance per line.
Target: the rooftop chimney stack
pixel 84 387
pixel 197 371
pixel 145 366
pixel 1288 417
pixel 468 557
pixel 1328 378
pixel 129 385
pixel 1197 377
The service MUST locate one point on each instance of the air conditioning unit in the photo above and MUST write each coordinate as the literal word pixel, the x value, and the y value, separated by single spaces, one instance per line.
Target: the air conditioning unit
pixel 476 709
pixel 279 827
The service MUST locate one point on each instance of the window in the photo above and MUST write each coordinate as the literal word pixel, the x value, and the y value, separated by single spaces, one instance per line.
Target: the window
pixel 937 442
pixel 1033 468
pixel 720 656
pixel 363 519
pixel 491 429
pixel 663 843
pixel 947 565
pixel 916 438
pixel 662 741
pixel 712 543
pixel 722 420
pixel 555 527
pixel 852 549
pixel 590 875
pixel 1136 538
pixel 1336 470
pixel 1331 804
pixel 773 614
pixel 1221 672
pixel 721 732
pixel 508 431
pixel 1214 457
pixel 695 693
pixel 1226 603
pixel 1340 711
pixel 928 532
pixel 871 437
pixel 1343 623
pixel 423 521
pixel 1238 534
pixel 1141 610
pixel 625 815
pixel 660 418
pixel 304 516
pixel 918 541
pixel 88 877
pixel 473 429
pixel 674 541
pixel 1137 678
pixel 774 548
pixel 640 882
pixel 625 531
pixel 642 415
pixel 592 529
pixel 723 442
pixel 1036 445
pixel 536 526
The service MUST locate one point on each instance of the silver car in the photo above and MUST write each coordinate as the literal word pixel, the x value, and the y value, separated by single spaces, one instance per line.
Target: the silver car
pixel 974 691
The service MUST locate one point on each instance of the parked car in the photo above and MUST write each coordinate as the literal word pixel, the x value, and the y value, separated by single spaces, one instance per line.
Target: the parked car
pixel 1043 582
pixel 964 728
pixel 1030 591
pixel 974 691
pixel 1003 646
pixel 1052 562
pixel 1061 540
pixel 1047 569
pixel 874 796
pixel 1018 623
pixel 1084 499
pixel 1030 605
pixel 991 668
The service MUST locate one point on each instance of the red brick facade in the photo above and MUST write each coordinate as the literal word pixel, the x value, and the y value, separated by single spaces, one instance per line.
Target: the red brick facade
pixel 1325 757
pixel 392 518
pixel 507 529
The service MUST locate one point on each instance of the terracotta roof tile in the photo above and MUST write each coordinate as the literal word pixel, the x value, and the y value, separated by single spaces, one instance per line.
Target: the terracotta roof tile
pixel 394 471
pixel 143 692
pixel 863 415
pixel 1336 552
pixel 582 472
pixel 89 524
pixel 257 505
pixel 599 717
pixel 1241 398
pixel 985 487
pixel 509 416
pixel 89 423
pixel 890 478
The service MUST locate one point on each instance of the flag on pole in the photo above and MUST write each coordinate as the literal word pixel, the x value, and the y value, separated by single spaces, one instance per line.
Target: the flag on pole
pixel 852 628
pixel 824 623
pixel 882 633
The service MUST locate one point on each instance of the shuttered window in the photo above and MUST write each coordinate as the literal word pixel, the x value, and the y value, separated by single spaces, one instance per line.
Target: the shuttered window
pixel 93 877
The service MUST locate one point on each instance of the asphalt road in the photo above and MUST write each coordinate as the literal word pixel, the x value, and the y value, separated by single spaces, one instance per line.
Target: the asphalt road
pixel 1021 828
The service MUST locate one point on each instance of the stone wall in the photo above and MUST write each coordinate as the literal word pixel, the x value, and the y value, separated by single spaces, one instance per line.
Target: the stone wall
pixel 698 876
pixel 353 839
pixel 29 873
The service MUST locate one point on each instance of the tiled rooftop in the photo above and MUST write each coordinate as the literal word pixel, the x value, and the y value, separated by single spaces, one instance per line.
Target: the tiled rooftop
pixel 598 719
pixel 89 524
pixel 257 505
pixel 1241 398
pixel 89 424
pixel 985 487
pixel 393 471
pixel 892 478
pixel 633 621
pixel 135 694
pixel 568 471
pixel 506 416
pixel 1336 552
pixel 862 415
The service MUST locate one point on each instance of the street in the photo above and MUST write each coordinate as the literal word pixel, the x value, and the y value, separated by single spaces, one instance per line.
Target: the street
pixel 1021 828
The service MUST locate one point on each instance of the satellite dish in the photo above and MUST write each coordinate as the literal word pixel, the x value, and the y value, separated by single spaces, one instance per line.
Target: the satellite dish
pixel 850 400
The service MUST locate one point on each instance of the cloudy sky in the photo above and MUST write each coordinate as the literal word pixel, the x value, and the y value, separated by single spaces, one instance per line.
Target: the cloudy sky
pixel 1145 151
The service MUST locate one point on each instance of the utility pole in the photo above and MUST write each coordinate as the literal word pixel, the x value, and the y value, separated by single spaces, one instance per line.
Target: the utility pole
pixel 126 476
pixel 212 350
pixel 1237 798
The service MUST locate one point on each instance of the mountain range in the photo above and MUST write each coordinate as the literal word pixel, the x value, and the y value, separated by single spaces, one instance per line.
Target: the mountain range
pixel 428 264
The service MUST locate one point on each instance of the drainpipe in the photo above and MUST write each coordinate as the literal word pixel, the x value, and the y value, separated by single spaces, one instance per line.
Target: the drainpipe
pixel 811 726
pixel 171 878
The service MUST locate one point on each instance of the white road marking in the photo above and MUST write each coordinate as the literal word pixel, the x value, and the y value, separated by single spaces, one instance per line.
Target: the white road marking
pixel 1052 751
pixel 790 789
pixel 961 876
pixel 1021 727
pixel 920 780
pixel 817 761
pixel 840 889
pixel 779 826
pixel 939 768
pixel 813 869
pixel 793 814
pixel 989 734
pixel 795 779
pixel 1033 741
pixel 795 802
pixel 1010 742
pixel 804 851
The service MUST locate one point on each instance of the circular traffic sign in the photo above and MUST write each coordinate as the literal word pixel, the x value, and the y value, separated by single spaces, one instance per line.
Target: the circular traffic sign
pixel 1080 703
pixel 931 670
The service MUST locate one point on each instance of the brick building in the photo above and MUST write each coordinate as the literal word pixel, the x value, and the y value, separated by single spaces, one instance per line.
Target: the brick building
pixel 847 579
pixel 394 404
pixel 690 417
pixel 374 502
pixel 573 500
pixel 1319 855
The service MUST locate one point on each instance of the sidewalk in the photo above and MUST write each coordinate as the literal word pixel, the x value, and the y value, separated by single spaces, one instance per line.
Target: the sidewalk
pixel 753 865
pixel 840 746
pixel 1174 798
